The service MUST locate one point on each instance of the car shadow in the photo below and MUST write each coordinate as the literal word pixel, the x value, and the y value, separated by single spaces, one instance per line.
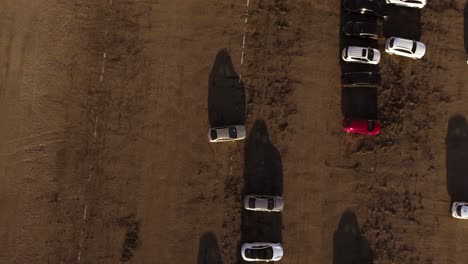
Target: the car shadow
pixel 226 95
pixel 359 102
pixel 402 22
pixel 457 158
pixel 465 27
pixel 208 251
pixel 263 175
pixel 349 246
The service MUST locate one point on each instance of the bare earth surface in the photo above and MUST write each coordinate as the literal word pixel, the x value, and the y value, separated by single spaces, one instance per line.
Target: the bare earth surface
pixel 105 108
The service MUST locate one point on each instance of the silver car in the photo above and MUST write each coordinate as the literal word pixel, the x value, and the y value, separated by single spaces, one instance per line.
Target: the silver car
pixel 228 133
pixel 408 3
pixel 262 251
pixel 405 47
pixel 460 210
pixel 264 203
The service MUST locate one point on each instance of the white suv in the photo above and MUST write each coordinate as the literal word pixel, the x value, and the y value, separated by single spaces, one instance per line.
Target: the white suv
pixel 361 55
pixel 405 47
pixel 408 3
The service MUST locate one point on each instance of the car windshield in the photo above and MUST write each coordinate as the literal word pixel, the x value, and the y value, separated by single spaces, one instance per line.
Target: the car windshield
pixel 259 253
pixel 370 125
pixel 413 49
pixel 213 134
pixel 371 54
pixel 271 204
pixel 459 210
pixel 252 203
pixel 232 132
pixel 391 43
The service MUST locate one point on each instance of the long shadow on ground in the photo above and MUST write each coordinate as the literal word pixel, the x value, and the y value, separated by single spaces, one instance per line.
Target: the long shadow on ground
pixel 357 102
pixel 402 22
pixel 208 251
pixel 226 96
pixel 263 175
pixel 349 247
pixel 457 158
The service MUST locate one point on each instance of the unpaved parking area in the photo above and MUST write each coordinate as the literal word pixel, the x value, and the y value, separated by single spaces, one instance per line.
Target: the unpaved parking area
pixel 105 107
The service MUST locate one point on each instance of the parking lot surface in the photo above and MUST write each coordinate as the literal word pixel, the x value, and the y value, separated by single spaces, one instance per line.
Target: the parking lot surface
pixel 106 106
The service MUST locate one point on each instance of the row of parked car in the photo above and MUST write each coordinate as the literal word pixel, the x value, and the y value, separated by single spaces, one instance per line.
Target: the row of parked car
pixel 269 251
pixel 366 55
pixel 257 251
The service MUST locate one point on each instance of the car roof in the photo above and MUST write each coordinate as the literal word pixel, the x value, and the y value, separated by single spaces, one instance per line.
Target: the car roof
pixel 354 51
pixel 402 43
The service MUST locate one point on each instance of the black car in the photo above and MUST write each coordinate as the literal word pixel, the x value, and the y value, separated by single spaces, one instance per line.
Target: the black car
pixel 364 7
pixel 361 30
pixel 360 79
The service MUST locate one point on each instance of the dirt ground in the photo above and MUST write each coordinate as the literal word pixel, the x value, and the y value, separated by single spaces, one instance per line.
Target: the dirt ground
pixel 105 108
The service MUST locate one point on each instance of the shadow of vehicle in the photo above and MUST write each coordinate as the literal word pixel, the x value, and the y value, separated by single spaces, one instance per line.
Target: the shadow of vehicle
pixel 457 158
pixel 226 96
pixel 359 102
pixel 349 247
pixel 263 175
pixel 465 27
pixel 208 251
pixel 402 22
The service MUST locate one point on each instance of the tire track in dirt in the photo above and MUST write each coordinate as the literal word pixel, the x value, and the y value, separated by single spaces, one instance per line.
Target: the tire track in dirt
pixel 116 102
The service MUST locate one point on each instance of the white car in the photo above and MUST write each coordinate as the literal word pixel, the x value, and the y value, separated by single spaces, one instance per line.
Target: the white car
pixel 408 3
pixel 263 203
pixel 460 210
pixel 228 133
pixel 262 251
pixel 405 47
pixel 361 55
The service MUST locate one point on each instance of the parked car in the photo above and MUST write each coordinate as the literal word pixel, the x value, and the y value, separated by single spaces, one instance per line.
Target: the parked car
pixel 460 210
pixel 360 79
pixel 262 251
pixel 361 30
pixel 361 126
pixel 408 3
pixel 405 47
pixel 263 203
pixel 361 55
pixel 364 7
pixel 228 133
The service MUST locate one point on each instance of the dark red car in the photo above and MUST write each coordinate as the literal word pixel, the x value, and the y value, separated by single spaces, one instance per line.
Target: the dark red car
pixel 361 126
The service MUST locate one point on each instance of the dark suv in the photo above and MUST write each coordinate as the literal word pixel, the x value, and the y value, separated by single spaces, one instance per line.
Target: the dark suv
pixel 365 7
pixel 361 30
pixel 360 79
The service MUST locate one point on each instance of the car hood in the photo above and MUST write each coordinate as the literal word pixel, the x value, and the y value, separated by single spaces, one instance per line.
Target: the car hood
pixel 279 203
pixel 376 55
pixel 277 252
pixel 420 49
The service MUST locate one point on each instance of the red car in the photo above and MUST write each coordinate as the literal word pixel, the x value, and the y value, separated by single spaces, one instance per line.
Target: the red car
pixel 361 126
